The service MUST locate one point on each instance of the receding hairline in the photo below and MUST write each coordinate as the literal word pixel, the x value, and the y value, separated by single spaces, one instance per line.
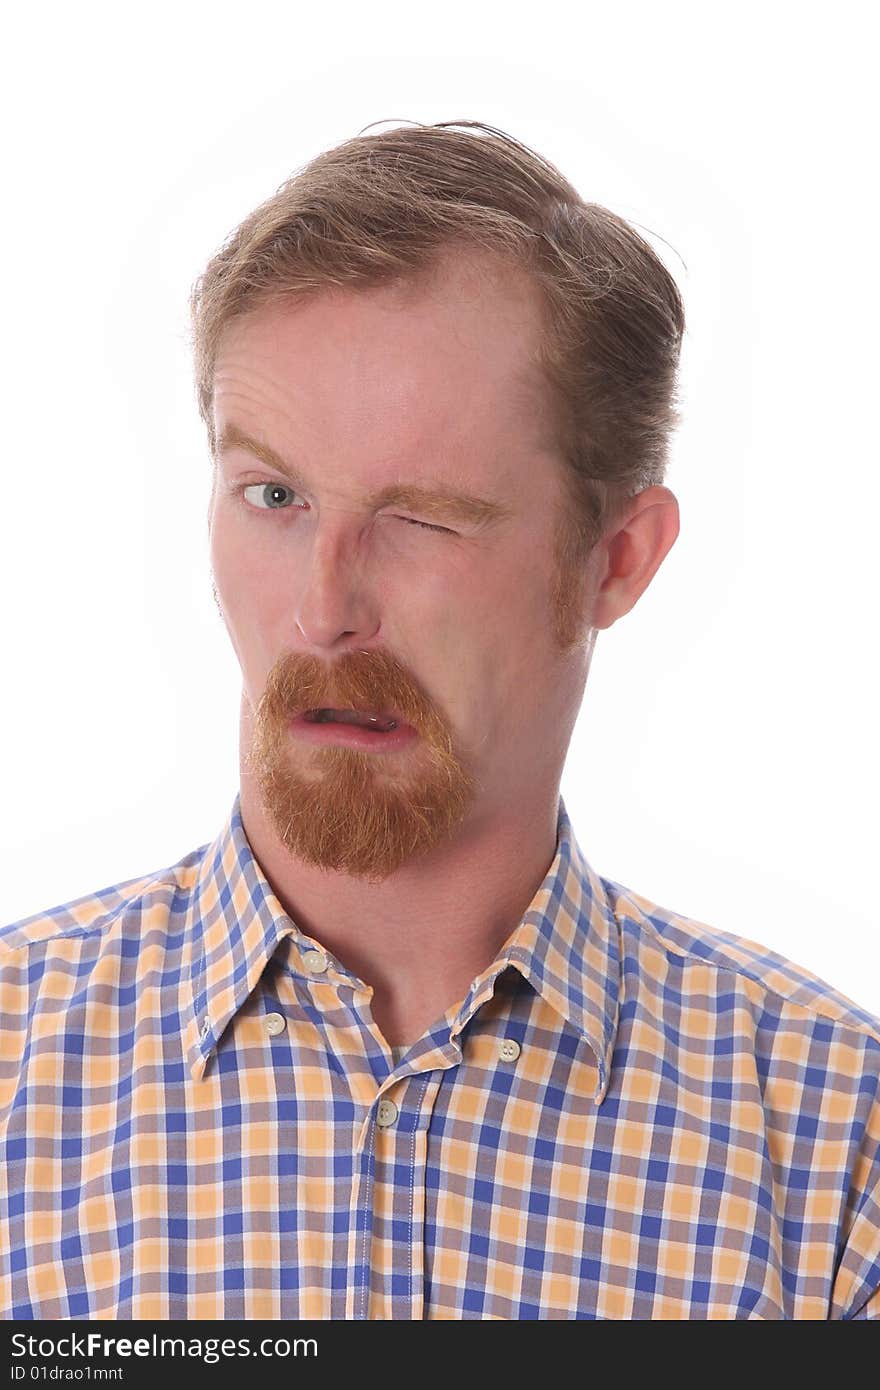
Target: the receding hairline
pixel 481 266
pixel 465 264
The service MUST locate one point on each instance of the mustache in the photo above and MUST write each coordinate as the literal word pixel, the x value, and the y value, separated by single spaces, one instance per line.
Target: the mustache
pixel 360 679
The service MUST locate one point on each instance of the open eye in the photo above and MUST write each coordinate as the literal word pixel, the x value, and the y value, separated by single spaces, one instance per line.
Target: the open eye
pixel 267 488
pixel 269 497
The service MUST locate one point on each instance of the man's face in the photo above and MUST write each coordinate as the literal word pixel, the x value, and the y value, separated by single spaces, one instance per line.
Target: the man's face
pixel 334 598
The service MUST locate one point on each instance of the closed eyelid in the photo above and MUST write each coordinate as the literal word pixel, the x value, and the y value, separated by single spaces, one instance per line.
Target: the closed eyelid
pixel 288 487
pixel 442 504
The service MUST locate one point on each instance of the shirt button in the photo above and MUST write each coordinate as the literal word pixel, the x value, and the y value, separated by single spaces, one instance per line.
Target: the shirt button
pixel 314 961
pixel 508 1050
pixel 274 1023
pixel 386 1114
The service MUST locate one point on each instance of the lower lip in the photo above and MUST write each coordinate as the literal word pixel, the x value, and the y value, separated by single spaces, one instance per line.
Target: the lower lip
pixel 353 735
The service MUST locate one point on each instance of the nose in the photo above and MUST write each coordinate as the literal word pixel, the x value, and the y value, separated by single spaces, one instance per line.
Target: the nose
pixel 335 601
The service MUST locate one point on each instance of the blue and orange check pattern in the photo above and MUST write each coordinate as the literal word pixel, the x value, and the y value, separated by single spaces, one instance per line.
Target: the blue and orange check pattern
pixel 629 1116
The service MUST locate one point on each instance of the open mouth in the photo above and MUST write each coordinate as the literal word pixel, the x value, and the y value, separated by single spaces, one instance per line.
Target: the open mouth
pixel 379 723
pixel 369 730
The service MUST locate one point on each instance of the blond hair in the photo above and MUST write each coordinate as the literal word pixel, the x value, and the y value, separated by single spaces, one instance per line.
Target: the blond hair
pixel 381 208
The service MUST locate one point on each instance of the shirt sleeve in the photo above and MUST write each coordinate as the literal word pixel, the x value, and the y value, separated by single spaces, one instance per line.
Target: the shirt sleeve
pixel 857 1282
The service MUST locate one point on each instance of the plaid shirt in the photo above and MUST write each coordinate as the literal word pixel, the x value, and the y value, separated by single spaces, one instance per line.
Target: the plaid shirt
pixel 630 1115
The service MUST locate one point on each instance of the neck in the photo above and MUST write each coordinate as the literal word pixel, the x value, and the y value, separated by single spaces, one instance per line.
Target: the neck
pixel 421 936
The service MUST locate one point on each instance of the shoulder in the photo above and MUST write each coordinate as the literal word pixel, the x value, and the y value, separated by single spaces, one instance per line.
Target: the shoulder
pixel 656 939
pixel 94 915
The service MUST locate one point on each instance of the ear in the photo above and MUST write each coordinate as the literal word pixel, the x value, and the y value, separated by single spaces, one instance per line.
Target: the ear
pixel 631 552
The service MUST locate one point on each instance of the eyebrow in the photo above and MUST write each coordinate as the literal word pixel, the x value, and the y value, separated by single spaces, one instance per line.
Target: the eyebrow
pixel 439 502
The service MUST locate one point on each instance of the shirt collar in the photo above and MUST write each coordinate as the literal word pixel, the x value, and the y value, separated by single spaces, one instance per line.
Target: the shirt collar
pixel 566 944
pixel 234 926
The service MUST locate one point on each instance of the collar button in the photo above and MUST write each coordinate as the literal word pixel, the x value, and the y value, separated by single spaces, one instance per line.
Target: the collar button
pixel 315 962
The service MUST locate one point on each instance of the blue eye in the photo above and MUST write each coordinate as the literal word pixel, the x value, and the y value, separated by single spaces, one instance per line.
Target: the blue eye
pixel 277 503
pixel 271 489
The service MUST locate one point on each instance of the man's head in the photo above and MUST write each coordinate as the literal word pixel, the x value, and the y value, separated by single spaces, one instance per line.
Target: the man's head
pixel 390 362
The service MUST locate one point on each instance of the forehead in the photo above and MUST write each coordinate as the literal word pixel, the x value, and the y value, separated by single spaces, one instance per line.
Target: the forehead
pixel 438 368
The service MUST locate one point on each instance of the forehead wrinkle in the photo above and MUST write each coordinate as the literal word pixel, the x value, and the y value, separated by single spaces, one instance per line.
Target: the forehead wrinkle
pixel 437 500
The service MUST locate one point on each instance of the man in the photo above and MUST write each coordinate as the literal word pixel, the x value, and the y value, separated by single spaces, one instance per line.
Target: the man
pixel 390 1047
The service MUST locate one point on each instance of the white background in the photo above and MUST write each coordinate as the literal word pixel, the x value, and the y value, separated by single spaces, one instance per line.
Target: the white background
pixel 723 764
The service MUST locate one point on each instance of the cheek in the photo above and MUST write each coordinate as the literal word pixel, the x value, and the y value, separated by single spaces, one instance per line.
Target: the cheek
pixel 531 654
pixel 497 646
pixel 249 564
pixel 250 598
